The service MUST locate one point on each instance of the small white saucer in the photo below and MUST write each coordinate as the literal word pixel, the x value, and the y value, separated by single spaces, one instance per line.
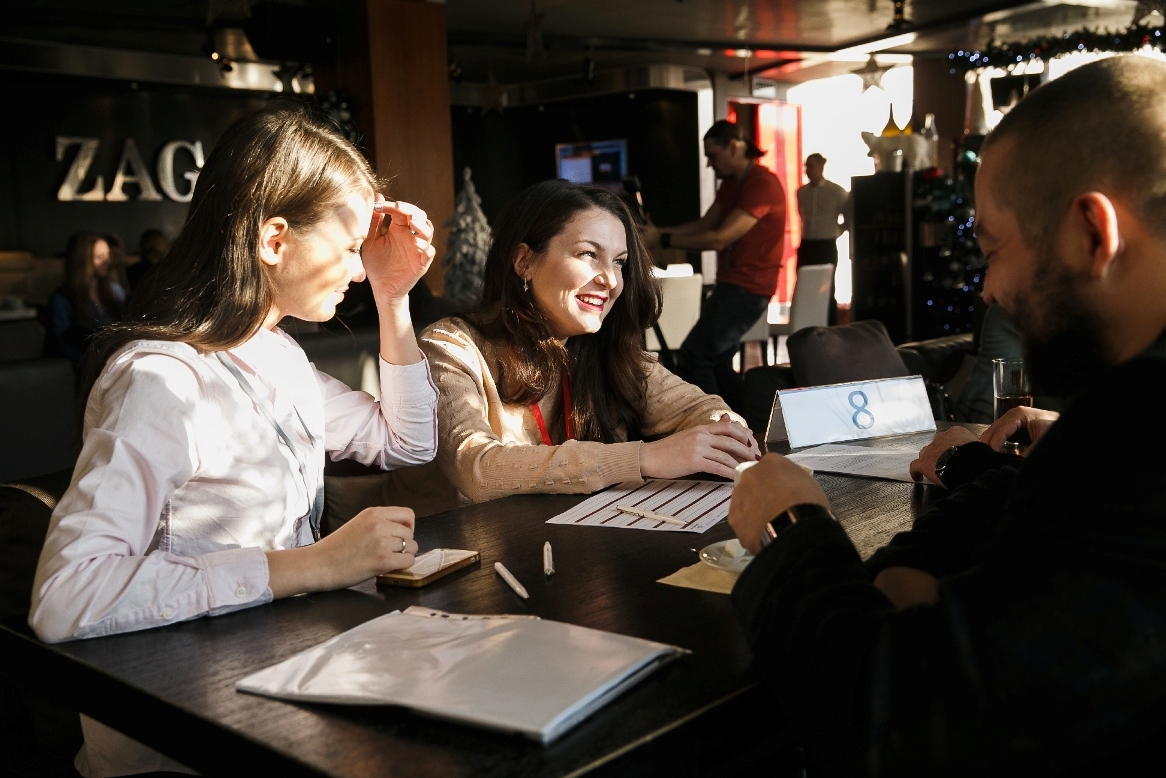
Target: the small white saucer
pixel 728 555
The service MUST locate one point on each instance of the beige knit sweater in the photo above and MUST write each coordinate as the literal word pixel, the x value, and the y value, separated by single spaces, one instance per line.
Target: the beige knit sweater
pixel 489 449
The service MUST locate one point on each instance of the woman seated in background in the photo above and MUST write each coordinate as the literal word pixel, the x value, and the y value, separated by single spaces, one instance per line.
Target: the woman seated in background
pixel 152 247
pixel 545 386
pixel 91 297
pixel 199 486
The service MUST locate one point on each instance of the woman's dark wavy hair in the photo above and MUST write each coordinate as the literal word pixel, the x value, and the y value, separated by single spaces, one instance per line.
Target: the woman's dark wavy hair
pixel 607 370
pixel 211 290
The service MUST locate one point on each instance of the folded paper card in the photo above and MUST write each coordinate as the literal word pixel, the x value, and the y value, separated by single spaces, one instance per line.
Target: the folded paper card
pixel 853 411
pixel 511 673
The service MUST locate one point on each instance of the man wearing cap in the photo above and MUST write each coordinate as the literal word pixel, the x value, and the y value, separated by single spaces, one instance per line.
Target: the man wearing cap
pixel 746 227
pixel 821 204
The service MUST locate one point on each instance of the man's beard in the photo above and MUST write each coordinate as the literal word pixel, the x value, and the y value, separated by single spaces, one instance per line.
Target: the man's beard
pixel 1062 335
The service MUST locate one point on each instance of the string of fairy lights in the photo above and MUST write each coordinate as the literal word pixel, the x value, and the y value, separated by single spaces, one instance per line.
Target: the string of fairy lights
pixel 1012 55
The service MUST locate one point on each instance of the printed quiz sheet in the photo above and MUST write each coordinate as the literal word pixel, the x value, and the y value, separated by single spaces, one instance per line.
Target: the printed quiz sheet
pixel 890 463
pixel 699 504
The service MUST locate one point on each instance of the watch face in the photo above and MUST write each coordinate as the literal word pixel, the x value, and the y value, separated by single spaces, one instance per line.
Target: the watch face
pixel 944 458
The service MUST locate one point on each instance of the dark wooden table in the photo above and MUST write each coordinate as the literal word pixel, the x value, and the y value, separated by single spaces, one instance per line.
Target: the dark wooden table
pixel 173 687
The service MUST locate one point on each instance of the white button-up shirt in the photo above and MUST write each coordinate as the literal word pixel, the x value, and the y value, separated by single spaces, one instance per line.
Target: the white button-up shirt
pixel 182 484
pixel 820 205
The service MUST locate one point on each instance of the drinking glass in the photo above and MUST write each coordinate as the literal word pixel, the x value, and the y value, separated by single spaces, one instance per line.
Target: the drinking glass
pixel 1010 387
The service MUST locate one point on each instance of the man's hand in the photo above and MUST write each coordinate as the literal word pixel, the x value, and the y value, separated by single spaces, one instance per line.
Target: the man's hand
pixel 906 586
pixel 1032 420
pixel 767 490
pixel 924 466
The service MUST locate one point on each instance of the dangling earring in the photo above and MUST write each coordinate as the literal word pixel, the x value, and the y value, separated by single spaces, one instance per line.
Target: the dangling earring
pixel 526 284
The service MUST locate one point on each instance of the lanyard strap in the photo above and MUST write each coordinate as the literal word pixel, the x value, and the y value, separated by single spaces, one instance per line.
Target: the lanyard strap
pixel 542 425
pixel 317 502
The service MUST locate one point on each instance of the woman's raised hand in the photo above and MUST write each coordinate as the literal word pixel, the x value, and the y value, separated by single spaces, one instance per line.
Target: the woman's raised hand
pixel 710 448
pixel 396 256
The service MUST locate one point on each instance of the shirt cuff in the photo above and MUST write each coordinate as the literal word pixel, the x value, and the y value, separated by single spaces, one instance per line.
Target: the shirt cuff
pixel 407 385
pixel 235 578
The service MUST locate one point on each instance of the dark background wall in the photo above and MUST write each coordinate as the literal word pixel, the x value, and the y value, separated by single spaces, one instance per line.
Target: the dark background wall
pixel 515 149
pixel 39 108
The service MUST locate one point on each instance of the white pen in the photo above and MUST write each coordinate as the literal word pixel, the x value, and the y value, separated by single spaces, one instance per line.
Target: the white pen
pixel 511 581
pixel 643 514
pixel 548 561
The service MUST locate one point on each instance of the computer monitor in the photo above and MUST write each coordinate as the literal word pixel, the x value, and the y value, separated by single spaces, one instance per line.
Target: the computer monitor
pixel 602 163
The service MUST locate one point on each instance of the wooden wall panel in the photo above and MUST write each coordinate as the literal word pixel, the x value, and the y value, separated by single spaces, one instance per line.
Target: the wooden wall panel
pixel 409 85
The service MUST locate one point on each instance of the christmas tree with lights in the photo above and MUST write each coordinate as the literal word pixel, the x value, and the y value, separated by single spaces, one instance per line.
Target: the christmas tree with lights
pixel 467 247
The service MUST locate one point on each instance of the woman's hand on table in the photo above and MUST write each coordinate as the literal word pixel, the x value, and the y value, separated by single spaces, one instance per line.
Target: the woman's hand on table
pixel 397 256
pixel 1034 421
pixel 924 466
pixel 375 541
pixel 765 491
pixel 714 448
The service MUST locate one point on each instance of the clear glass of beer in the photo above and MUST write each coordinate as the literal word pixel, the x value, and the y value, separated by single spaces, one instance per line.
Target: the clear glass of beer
pixel 1010 386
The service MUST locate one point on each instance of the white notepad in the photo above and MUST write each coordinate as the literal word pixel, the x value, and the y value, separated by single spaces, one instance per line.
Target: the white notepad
pixel 893 464
pixel 511 673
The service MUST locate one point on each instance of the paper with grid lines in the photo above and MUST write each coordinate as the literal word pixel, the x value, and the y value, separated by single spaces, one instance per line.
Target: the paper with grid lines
pixel 700 504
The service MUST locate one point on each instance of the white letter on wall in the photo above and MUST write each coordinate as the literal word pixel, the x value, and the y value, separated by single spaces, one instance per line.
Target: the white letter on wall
pixel 166 169
pixel 137 175
pixel 78 170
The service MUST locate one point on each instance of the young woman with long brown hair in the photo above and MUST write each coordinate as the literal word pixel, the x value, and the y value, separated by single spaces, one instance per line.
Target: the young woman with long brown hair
pixel 546 386
pixel 199 486
pixel 90 298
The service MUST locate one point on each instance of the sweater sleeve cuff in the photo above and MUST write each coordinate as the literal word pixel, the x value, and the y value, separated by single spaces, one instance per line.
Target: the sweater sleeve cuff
pixel 623 464
pixel 235 578
pixel 407 385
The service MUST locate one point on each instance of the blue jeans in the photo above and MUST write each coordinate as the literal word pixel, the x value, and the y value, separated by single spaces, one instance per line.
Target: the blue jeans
pixel 706 356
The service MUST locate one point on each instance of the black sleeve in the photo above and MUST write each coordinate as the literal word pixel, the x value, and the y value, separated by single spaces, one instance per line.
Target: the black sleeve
pixel 1044 656
pixel 951 533
pixel 808 606
pixel 972 460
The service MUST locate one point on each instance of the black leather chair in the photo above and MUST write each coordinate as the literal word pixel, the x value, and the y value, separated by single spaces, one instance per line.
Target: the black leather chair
pixel 23 339
pixel 38 416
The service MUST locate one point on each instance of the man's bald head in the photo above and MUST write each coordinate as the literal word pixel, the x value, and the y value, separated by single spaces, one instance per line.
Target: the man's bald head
pixel 1101 127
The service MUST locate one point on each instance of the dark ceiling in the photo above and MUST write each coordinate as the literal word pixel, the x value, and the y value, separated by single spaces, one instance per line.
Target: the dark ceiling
pixel 490 35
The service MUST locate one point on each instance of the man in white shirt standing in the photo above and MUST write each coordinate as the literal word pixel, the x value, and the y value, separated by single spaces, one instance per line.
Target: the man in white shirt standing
pixel 820 204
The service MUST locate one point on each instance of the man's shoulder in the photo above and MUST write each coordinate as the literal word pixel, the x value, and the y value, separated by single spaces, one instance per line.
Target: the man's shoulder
pixel 762 180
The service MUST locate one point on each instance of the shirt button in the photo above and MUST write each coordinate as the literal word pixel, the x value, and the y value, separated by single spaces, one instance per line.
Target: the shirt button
pixel 241 592
pixel 167 613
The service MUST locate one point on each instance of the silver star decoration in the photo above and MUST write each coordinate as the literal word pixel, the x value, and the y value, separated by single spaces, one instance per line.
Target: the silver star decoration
pixel 534 34
pixel 1146 8
pixel 871 73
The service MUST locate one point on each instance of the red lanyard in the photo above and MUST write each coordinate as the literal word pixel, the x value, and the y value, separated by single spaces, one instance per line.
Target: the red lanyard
pixel 542 425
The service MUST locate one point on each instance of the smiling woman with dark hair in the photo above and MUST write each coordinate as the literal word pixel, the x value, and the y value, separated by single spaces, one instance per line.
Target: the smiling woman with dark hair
pixel 546 386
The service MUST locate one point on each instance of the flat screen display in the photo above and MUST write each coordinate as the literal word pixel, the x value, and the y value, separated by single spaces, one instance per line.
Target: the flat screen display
pixel 602 163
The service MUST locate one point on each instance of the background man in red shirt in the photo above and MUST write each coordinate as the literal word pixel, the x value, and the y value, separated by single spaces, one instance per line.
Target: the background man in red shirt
pixel 746 227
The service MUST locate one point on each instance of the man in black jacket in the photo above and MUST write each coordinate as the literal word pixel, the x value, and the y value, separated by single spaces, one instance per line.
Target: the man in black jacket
pixel 1020 626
